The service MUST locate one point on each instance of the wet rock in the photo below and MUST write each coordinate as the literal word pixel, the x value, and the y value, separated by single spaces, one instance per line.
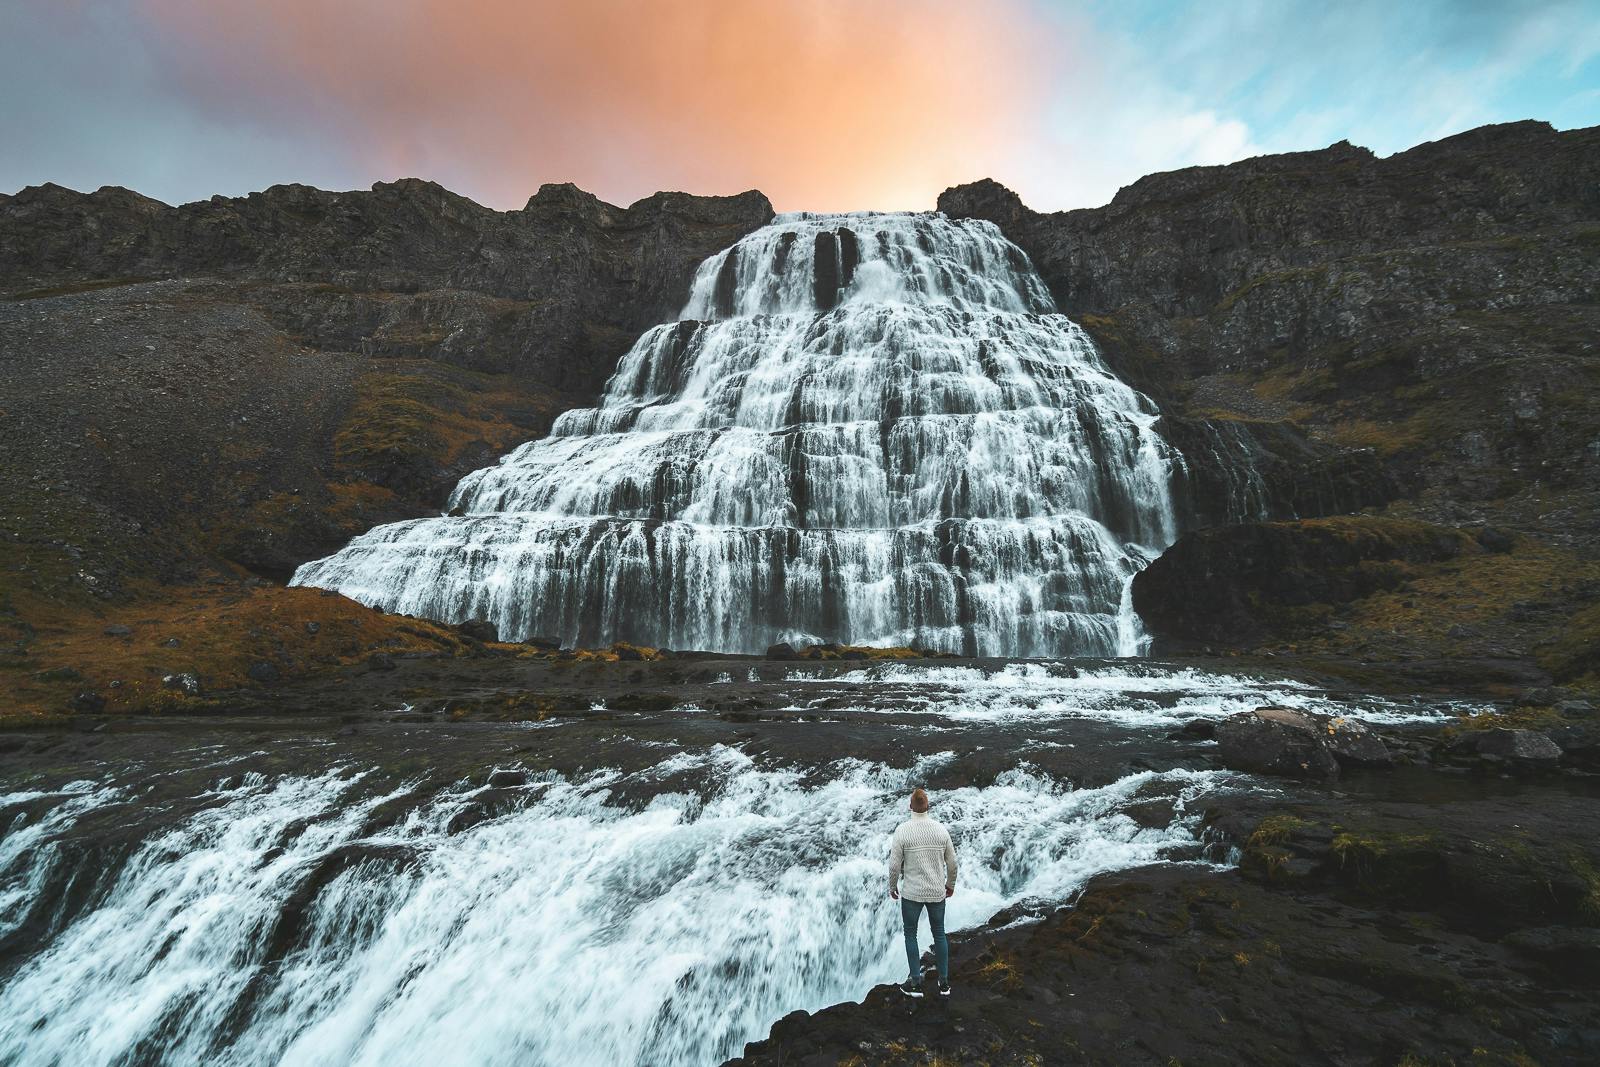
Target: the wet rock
pixel 1523 747
pixel 1278 741
pixel 1151 814
pixel 186 683
pixel 1354 744
pixel 117 630
pixel 1198 730
pixel 544 644
pixel 1572 950
pixel 263 672
pixel 381 661
pixel 88 702
pixel 1575 709
pixel 479 630
pixel 506 779
pixel 782 651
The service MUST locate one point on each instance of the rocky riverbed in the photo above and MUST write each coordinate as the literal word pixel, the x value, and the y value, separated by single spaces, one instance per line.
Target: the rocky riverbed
pixel 634 857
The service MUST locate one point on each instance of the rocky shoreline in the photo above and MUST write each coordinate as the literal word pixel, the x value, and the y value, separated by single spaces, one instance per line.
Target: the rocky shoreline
pixel 1404 918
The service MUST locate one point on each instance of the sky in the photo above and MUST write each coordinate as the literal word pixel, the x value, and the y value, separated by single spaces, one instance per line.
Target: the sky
pixel 821 104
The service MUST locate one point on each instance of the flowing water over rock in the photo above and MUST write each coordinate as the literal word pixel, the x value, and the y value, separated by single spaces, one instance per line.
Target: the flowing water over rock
pixel 638 889
pixel 865 428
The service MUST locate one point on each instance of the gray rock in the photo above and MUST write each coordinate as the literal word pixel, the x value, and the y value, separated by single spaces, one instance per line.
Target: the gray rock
pixel 88 702
pixel 1519 746
pixel 186 683
pixel 117 630
pixel 1575 709
pixel 1354 744
pixel 782 651
pixel 263 672
pixel 381 661
pixel 479 630
pixel 503 779
pixel 313 628
pixel 1278 741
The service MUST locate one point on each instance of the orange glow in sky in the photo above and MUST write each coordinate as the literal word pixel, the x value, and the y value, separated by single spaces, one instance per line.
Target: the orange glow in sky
pixel 821 104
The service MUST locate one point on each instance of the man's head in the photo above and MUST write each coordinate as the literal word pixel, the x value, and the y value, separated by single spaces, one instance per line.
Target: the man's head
pixel 919 800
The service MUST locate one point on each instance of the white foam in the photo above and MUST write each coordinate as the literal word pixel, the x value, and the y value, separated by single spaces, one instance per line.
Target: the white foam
pixel 576 930
pixel 1136 695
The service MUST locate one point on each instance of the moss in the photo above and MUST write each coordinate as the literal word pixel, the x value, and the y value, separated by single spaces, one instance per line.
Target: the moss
pixel 1589 877
pixel 1274 830
pixel 220 633
pixel 1573 651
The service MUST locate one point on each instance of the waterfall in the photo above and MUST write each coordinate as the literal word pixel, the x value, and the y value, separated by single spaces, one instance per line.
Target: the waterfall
pixel 286 922
pixel 866 428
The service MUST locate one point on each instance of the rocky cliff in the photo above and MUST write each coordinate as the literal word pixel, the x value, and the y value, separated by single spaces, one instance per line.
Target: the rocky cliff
pixel 1415 336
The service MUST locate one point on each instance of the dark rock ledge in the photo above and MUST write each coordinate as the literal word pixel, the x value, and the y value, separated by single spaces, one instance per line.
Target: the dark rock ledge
pixel 1382 929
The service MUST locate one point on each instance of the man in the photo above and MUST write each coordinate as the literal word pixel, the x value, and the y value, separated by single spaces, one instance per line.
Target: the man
pixel 922 873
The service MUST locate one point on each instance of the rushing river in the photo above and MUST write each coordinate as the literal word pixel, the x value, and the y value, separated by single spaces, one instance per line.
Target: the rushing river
pixel 202 907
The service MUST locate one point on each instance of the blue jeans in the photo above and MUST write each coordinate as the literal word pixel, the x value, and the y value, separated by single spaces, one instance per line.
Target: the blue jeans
pixel 910 912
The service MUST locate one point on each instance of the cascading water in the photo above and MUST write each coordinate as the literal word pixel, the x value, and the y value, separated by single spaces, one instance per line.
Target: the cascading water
pixel 275 925
pixel 866 428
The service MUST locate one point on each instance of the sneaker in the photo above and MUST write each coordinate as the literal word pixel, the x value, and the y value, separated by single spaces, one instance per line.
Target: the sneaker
pixel 911 987
pixel 944 988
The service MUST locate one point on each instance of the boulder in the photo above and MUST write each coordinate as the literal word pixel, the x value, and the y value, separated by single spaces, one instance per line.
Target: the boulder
pixel 505 779
pixel 1354 744
pixel 313 628
pixel 117 630
pixel 1522 747
pixel 479 630
pixel 546 644
pixel 782 651
pixel 1278 741
pixel 88 702
pixel 263 672
pixel 381 661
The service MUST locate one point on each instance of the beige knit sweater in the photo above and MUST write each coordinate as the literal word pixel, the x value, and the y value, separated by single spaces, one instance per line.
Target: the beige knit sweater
pixel 922 859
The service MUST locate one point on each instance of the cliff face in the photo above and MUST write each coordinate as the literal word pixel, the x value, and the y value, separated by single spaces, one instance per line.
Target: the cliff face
pixel 1439 306
pixel 556 290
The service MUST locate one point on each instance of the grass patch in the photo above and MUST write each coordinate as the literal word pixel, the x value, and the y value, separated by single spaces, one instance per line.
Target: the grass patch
pixel 216 634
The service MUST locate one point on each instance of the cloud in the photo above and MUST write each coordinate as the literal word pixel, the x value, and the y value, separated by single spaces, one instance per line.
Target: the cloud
pixel 821 103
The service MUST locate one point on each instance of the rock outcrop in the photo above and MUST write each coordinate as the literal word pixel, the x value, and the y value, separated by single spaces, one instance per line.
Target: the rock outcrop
pixel 1232 585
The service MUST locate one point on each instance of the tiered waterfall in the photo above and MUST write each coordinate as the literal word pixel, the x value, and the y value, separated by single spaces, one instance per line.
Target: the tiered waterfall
pixel 871 429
